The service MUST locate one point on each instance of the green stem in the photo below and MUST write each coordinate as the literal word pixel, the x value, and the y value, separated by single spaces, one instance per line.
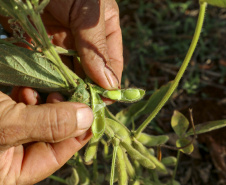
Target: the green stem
pixel 58 179
pixel 115 148
pixel 181 71
pixel 175 169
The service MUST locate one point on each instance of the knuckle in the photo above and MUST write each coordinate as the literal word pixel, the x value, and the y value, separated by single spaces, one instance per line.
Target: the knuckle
pixel 59 128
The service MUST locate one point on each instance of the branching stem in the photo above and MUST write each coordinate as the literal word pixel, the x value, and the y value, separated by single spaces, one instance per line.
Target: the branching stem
pixel 181 71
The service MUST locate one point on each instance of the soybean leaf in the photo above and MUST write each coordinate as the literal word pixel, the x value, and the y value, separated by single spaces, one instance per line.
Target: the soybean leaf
pixel 219 3
pixel 207 127
pixel 179 123
pixel 150 140
pixel 81 94
pixel 143 107
pixel 182 142
pixel 22 67
pixel 125 116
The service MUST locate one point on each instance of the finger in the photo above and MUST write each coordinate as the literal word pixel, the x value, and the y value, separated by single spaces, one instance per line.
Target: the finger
pixel 55 97
pixel 88 30
pixel 42 159
pixel 114 36
pixel 48 122
pixel 14 94
pixel 29 96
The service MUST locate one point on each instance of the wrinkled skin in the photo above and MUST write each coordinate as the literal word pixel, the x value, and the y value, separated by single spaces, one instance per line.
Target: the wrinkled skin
pixel 37 139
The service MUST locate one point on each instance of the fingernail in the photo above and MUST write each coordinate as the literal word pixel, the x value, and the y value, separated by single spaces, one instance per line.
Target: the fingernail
pixel 84 118
pixel 111 77
pixel 35 94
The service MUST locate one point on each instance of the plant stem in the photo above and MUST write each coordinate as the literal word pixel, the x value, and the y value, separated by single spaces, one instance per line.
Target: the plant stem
pixel 175 169
pixel 180 72
pixel 115 148
pixel 58 179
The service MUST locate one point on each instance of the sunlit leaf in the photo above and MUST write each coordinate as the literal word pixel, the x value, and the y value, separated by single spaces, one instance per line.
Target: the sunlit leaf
pixel 207 127
pixel 22 67
pixel 179 123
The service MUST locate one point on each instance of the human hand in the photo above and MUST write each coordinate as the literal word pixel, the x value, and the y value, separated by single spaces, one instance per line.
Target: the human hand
pixel 91 28
pixel 36 140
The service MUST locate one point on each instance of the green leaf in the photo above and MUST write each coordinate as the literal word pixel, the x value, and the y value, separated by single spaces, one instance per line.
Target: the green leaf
pixel 179 123
pixel 125 116
pixel 219 3
pixel 143 107
pixel 23 67
pixel 182 142
pixel 207 127
pixel 81 94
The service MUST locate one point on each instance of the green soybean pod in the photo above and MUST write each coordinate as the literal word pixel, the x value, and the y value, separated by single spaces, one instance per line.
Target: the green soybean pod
pixel 169 161
pixel 91 151
pixel 125 95
pixel 121 167
pixel 119 130
pixel 129 167
pixel 143 150
pixel 150 140
pixel 135 155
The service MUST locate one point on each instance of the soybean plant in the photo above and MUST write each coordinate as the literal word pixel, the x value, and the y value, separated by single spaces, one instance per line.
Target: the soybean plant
pixel 41 68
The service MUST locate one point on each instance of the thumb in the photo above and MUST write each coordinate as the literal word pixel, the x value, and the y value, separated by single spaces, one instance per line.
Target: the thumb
pixel 88 28
pixel 20 123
